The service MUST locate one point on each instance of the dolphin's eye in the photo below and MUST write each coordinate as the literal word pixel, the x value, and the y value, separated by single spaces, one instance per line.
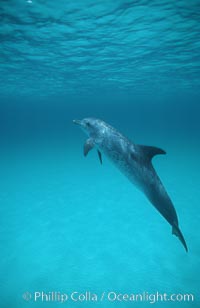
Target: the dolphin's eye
pixel 88 124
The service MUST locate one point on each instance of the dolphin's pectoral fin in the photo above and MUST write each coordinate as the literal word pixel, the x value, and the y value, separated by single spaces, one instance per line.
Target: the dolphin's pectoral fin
pixel 100 156
pixel 176 231
pixel 88 146
pixel 149 152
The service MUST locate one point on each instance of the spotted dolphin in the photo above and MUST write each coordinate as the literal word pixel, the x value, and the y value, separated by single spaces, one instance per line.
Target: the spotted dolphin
pixel 134 161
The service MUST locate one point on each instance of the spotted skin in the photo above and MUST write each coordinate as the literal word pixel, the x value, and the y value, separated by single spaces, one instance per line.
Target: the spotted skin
pixel 135 162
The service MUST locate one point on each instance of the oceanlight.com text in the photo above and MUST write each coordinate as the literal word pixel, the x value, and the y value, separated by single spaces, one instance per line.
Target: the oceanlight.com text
pixel 112 296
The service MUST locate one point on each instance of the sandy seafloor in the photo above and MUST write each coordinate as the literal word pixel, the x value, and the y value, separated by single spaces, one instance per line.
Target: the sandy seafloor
pixel 70 224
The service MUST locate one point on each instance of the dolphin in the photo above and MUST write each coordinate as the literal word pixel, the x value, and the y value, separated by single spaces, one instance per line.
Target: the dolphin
pixel 134 161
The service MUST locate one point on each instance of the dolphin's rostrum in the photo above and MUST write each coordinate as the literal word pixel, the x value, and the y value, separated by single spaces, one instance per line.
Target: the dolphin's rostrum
pixel 135 162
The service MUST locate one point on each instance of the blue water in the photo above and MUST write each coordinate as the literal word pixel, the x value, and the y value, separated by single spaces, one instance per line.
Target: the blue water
pixel 66 222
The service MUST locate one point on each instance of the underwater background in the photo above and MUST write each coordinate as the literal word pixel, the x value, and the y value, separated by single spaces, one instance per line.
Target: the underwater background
pixel 67 223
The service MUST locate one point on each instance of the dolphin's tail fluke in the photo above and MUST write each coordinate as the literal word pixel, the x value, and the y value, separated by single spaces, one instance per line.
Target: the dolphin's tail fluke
pixel 176 231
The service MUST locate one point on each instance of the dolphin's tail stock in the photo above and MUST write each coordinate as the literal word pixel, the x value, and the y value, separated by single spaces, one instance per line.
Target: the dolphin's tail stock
pixel 176 231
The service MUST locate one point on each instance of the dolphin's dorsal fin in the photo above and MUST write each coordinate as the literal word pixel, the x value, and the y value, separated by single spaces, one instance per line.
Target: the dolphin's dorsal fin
pixel 149 152
pixel 88 146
